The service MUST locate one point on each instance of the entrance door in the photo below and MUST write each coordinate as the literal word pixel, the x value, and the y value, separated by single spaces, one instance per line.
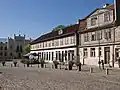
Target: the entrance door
pixel 107 55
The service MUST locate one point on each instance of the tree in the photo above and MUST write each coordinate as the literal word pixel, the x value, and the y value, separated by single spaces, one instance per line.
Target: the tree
pixel 26 48
pixel 58 27
pixel 69 25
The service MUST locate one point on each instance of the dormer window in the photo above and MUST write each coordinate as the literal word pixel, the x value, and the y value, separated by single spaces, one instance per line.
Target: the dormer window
pixel 60 32
pixel 93 20
pixel 107 16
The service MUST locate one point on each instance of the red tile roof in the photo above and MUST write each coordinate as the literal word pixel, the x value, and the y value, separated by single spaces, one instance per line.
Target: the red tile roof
pixel 111 6
pixel 54 34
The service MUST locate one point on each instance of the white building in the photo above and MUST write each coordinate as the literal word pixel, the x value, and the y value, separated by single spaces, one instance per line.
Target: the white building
pixel 100 40
pixel 57 45
pixel 94 38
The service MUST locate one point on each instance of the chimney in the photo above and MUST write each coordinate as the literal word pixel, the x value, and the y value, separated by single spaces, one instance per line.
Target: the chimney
pixel 77 22
pixel 105 5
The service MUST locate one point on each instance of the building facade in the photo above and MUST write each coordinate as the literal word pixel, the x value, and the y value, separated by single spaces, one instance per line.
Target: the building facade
pixel 100 39
pixel 57 45
pixel 12 47
pixel 96 38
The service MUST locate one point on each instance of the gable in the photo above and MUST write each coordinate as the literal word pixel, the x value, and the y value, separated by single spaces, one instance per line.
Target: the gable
pixel 98 11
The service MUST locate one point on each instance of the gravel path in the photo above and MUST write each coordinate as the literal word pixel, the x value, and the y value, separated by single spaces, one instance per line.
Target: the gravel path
pixel 51 79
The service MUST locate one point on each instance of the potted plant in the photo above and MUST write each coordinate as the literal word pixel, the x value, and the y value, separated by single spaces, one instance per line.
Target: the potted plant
pixel 3 63
pixel 70 64
pixel 15 63
pixel 56 64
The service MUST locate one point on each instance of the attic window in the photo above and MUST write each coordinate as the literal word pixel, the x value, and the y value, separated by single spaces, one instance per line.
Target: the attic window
pixel 93 20
pixel 107 16
pixel 60 32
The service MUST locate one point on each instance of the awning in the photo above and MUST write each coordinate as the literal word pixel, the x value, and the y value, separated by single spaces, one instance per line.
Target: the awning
pixel 28 54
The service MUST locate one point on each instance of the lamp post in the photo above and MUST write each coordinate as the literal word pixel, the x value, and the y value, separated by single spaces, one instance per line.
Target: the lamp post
pixel 99 51
pixel 113 47
pixel 99 42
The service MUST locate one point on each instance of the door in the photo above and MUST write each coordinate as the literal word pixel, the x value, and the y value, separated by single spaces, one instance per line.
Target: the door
pixel 107 55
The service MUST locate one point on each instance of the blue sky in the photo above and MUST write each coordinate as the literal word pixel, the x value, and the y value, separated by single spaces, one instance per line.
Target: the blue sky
pixel 35 17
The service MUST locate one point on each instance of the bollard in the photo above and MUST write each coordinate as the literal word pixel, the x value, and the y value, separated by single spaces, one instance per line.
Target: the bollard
pixel 52 67
pixel 60 66
pixel 11 65
pixel 107 71
pixel 38 65
pixel 91 70
pixel 79 67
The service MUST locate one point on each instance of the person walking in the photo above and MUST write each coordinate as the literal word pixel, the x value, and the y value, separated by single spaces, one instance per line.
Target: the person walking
pixel 102 62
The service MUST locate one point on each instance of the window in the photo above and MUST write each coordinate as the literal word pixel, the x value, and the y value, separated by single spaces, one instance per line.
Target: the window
pixel 11 47
pixel 99 35
pixel 42 55
pixel 92 52
pixel 52 56
pixel 117 54
pixel 72 51
pixel 56 55
pixel 39 45
pixel 107 16
pixel 49 56
pixel 100 51
pixel 53 43
pixel 107 34
pixel 5 54
pixel 46 55
pixel 66 40
pixel 72 40
pixel 5 48
pixel 86 37
pixel 85 52
pixel 1 48
pixel 39 55
pixel 49 43
pixel 65 55
pixel 10 54
pixel 45 44
pixel 93 36
pixel 57 43
pixel 1 53
pixel 59 56
pixel 61 41
pixel 93 21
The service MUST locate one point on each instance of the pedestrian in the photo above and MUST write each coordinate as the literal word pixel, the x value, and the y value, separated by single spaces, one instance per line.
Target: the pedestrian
pixel 99 62
pixel 102 62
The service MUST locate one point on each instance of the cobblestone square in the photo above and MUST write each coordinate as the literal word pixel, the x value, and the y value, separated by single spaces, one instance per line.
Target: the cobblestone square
pixel 34 78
